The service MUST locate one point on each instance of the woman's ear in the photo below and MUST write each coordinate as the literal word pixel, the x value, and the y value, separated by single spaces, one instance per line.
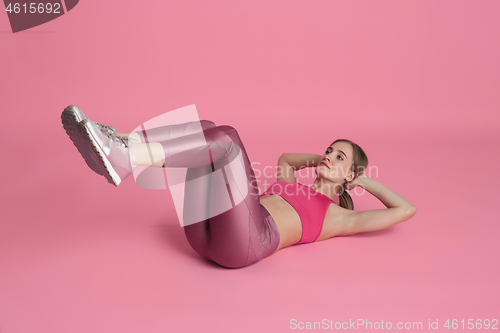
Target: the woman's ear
pixel 350 177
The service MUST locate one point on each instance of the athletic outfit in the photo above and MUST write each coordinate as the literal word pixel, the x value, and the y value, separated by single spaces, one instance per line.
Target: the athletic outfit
pixel 309 204
pixel 229 227
pixel 245 233
pixel 239 236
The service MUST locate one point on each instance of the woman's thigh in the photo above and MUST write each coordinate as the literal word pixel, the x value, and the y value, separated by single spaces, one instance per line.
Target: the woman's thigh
pixel 235 238
pixel 243 234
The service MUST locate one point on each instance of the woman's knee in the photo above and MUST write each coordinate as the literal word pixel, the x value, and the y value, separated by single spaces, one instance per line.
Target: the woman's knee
pixel 222 133
pixel 206 124
pixel 229 130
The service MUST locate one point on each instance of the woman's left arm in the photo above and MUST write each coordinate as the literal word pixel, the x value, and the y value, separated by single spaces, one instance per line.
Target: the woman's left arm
pixel 398 210
pixel 387 196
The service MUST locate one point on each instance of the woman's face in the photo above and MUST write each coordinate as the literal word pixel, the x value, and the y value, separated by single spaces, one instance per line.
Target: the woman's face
pixel 335 164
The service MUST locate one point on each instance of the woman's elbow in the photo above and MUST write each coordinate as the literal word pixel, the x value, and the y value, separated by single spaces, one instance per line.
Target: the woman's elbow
pixel 283 156
pixel 411 211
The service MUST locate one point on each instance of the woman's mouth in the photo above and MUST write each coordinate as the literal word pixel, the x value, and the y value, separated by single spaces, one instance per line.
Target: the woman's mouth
pixel 323 163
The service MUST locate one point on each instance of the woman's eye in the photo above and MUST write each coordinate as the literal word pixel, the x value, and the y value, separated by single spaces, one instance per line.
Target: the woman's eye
pixel 327 152
pixel 340 157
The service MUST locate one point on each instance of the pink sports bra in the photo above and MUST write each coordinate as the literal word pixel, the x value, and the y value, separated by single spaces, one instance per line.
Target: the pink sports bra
pixel 309 204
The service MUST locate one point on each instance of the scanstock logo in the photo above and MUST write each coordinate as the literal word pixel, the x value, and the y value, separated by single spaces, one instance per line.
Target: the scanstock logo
pixel 26 15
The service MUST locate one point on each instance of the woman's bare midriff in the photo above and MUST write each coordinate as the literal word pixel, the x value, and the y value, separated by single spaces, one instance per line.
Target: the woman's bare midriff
pixel 286 217
pixel 288 220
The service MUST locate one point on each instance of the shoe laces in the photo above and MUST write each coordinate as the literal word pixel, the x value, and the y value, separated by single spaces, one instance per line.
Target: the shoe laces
pixel 117 138
pixel 110 133
pixel 105 128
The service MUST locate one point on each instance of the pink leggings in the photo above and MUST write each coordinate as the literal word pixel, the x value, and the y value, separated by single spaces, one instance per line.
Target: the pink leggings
pixel 240 236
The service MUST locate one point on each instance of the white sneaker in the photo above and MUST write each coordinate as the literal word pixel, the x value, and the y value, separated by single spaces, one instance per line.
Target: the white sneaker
pixel 71 117
pixel 106 151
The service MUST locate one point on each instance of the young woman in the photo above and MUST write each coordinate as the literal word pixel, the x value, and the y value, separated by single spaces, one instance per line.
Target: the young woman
pixel 254 226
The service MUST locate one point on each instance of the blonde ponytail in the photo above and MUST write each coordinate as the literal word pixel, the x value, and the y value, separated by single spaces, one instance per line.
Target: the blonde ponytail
pixel 345 200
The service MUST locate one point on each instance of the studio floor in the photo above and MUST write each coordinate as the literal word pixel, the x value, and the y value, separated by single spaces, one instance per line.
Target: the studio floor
pixel 414 84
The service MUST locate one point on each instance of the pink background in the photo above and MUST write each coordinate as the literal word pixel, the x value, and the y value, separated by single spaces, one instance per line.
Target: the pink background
pixel 414 83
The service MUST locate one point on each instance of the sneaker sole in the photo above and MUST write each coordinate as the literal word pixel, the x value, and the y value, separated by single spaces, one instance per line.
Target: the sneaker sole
pixel 76 111
pixel 70 124
pixel 94 153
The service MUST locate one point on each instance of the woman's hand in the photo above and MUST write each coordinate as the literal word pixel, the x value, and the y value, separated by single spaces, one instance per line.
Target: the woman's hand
pixel 359 181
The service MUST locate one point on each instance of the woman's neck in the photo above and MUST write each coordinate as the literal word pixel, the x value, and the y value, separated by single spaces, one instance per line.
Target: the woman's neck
pixel 327 189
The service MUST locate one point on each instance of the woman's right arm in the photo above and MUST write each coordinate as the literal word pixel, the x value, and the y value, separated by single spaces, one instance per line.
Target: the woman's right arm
pixel 288 163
